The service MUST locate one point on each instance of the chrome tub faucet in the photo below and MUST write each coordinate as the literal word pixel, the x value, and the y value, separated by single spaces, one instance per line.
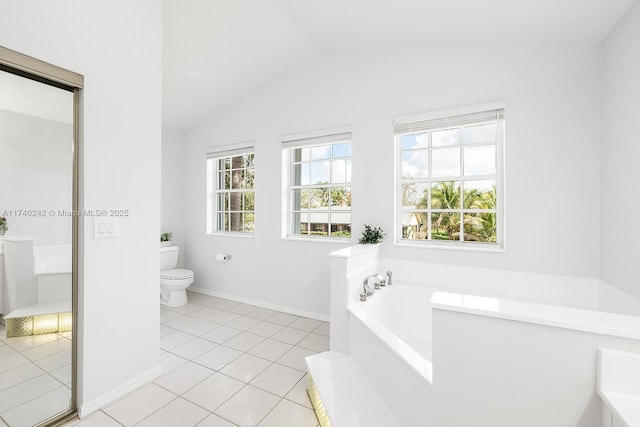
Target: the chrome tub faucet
pixel 367 289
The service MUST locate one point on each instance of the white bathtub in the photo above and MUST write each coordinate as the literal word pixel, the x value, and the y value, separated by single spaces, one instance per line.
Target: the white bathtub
pixel 496 362
pixel 400 316
pixel 391 343
pixel 52 259
pixel 53 272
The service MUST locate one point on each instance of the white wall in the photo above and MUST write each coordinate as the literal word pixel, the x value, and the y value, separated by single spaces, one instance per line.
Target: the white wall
pixel 614 299
pixel 36 168
pixel 116 45
pixel 172 214
pixel 568 291
pixel 620 153
pixel 552 160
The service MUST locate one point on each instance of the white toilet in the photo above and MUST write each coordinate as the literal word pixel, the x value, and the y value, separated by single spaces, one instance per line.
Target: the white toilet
pixel 173 281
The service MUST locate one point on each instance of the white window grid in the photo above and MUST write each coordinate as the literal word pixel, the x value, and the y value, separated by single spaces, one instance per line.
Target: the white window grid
pixel 221 170
pixel 460 178
pixel 294 224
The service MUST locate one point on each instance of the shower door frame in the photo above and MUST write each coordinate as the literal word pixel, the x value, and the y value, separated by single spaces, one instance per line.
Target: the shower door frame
pixel 31 68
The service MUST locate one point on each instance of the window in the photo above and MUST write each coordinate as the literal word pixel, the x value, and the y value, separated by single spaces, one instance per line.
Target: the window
pixel 450 179
pixel 319 191
pixel 230 190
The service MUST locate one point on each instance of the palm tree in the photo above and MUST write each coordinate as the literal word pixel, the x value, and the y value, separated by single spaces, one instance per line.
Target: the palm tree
pixel 481 226
pixel 446 225
pixel 444 195
pixel 235 198
pixel 340 197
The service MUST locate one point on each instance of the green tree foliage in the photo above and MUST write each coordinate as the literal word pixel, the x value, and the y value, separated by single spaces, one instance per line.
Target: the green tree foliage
pixel 239 175
pixel 481 227
pixel 477 226
pixel 318 198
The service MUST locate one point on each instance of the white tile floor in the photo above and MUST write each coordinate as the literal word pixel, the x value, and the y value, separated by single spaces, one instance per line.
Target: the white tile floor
pixel 35 377
pixel 224 364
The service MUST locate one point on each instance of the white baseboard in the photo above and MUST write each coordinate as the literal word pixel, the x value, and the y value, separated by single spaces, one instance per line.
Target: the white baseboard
pixel 289 310
pixel 87 408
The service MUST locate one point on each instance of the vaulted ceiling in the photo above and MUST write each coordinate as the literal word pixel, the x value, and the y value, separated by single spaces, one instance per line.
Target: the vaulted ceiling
pixel 218 50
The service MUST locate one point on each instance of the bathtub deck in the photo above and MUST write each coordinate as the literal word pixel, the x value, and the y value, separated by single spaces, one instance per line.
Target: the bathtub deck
pixel 348 397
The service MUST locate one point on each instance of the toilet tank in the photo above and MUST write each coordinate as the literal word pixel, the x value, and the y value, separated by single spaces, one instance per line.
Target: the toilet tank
pixel 169 257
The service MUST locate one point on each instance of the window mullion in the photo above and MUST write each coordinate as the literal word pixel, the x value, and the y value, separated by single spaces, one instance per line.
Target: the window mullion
pixel 223 209
pixel 316 161
pixel 429 185
pixel 484 205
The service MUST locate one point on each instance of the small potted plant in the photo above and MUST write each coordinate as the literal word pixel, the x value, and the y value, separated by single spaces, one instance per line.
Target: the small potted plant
pixel 3 225
pixel 371 235
pixel 165 239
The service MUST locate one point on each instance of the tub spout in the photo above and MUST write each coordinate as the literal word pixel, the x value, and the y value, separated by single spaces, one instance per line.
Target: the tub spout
pixel 366 286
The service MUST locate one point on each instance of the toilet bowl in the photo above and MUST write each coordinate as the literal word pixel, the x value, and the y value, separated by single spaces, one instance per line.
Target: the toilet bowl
pixel 173 281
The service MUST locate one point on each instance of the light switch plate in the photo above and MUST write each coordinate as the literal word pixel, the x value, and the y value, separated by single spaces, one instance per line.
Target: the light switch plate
pixel 105 228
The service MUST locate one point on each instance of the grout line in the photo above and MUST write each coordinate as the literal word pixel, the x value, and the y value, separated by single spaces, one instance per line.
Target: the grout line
pixel 122 397
pixel 163 406
pixel 109 416
pixel 209 411
pixel 219 416
pixel 267 319
pixel 242 388
pixel 307 333
pixel 27 379
pixel 35 397
pixel 55 379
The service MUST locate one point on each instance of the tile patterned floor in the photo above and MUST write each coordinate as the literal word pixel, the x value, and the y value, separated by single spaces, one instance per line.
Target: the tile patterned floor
pixel 224 364
pixel 35 377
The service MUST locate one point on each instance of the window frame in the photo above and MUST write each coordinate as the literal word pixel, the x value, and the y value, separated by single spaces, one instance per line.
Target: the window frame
pixel 441 120
pixel 214 156
pixel 311 140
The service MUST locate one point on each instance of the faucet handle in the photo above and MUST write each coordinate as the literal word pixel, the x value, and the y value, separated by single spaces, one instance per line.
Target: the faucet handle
pixel 367 288
pixel 389 273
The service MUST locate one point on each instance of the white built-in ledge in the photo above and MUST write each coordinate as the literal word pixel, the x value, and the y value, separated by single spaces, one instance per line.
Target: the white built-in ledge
pixel 9 238
pixel 40 309
pixel 346 394
pixel 354 250
pixel 598 322
pixel 619 384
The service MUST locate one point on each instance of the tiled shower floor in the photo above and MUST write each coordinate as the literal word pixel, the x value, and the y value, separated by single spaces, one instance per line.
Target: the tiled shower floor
pixel 224 364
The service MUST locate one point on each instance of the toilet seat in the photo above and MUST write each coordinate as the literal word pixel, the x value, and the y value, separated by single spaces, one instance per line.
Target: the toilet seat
pixel 176 274
pixel 173 286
